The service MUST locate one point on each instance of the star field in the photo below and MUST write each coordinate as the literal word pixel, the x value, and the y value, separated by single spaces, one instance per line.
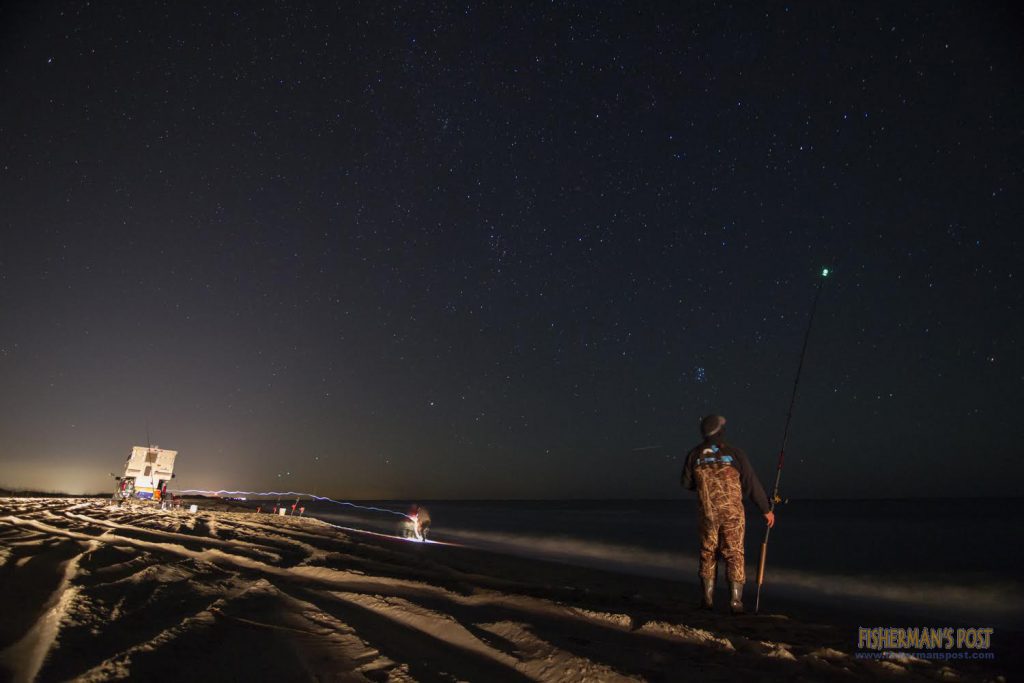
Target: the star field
pixel 475 250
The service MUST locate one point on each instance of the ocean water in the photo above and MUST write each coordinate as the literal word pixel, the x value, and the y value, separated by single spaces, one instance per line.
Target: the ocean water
pixel 957 560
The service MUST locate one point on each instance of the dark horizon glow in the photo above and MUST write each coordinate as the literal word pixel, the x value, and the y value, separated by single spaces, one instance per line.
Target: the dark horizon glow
pixel 489 251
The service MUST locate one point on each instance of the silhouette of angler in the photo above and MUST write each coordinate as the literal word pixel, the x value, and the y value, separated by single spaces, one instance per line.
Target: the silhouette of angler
pixel 721 475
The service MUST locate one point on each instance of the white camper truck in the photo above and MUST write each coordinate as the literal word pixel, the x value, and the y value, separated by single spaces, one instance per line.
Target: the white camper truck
pixel 146 474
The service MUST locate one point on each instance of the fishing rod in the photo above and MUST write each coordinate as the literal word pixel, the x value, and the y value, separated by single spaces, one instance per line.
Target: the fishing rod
pixel 785 435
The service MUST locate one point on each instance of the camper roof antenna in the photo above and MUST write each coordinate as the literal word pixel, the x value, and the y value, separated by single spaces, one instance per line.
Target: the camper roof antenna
pixel 149 444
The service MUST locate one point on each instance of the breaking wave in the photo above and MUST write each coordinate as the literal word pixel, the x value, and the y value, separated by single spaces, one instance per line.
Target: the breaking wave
pixel 952 597
pixel 989 598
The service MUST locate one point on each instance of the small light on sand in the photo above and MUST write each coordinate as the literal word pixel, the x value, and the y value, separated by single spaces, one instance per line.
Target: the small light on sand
pixel 824 272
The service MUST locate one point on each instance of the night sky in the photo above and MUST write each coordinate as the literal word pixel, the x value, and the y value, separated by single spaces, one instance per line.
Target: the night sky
pixel 511 250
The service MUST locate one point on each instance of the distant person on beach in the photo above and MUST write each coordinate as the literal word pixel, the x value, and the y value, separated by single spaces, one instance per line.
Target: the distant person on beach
pixel 721 475
pixel 421 521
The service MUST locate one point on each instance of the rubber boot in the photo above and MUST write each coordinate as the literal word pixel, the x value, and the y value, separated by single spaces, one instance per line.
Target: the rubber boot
pixel 736 597
pixel 707 597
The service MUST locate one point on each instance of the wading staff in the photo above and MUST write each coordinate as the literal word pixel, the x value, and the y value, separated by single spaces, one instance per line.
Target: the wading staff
pixel 785 437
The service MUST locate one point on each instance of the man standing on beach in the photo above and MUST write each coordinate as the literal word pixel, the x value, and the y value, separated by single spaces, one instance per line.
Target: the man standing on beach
pixel 721 475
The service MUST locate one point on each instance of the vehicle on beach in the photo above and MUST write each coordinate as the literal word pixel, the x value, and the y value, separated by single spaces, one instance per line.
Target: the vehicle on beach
pixel 147 472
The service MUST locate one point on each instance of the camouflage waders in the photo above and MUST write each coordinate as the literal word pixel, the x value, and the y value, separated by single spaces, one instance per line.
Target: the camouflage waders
pixel 721 520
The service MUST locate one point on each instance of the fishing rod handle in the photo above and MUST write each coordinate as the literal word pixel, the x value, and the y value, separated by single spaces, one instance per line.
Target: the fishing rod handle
pixel 760 565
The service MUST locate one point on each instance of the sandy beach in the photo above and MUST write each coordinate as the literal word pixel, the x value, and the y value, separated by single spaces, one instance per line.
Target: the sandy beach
pixel 95 592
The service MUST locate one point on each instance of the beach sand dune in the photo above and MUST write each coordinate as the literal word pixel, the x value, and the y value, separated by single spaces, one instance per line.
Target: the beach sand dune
pixel 90 591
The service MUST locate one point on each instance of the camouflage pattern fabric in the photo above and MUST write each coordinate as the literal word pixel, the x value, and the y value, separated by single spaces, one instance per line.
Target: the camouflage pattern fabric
pixel 721 521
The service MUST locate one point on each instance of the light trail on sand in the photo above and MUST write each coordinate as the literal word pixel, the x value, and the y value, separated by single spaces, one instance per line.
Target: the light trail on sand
pixel 394 538
pixel 283 494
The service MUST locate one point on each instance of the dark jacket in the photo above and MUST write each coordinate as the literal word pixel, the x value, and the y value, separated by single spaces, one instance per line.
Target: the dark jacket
pixel 748 479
